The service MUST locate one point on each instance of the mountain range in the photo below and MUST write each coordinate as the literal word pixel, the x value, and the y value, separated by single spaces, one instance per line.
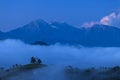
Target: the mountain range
pixel 56 32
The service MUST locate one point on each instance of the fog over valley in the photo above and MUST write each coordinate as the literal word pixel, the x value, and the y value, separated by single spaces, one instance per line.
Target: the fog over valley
pixel 17 52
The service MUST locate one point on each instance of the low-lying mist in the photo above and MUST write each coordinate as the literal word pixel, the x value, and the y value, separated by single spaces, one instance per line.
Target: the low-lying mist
pixel 49 73
pixel 17 52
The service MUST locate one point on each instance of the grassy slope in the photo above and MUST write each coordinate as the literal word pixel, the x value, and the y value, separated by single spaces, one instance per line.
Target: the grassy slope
pixel 32 66
pixel 18 70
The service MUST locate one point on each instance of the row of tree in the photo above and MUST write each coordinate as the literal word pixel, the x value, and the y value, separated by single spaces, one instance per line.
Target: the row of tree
pixel 35 60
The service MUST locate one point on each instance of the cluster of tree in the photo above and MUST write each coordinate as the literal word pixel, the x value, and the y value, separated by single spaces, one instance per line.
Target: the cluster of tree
pixel 35 60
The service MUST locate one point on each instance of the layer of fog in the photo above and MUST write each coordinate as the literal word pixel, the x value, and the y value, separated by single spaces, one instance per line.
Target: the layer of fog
pixel 49 73
pixel 17 52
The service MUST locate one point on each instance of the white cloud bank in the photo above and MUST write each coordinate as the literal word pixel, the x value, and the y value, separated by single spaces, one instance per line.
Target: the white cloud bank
pixel 112 19
pixel 12 52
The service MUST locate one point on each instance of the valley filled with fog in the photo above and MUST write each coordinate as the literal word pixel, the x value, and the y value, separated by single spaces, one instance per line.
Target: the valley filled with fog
pixel 17 52
pixel 57 57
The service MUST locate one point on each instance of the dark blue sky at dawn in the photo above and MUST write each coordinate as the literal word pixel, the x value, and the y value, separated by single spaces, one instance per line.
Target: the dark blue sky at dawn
pixel 16 13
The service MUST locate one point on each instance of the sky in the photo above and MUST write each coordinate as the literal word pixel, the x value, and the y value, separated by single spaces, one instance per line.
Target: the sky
pixel 16 13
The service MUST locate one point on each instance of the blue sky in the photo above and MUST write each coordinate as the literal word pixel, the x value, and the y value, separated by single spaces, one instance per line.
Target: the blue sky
pixel 15 13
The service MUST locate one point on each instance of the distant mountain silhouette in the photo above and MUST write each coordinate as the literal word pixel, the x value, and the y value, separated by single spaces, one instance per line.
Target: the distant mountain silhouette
pixel 40 43
pixel 102 35
pixel 56 32
pixel 1 35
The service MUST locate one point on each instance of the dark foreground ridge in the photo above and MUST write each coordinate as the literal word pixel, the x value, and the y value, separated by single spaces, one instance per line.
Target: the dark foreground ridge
pixel 69 72
pixel 5 74
pixel 35 63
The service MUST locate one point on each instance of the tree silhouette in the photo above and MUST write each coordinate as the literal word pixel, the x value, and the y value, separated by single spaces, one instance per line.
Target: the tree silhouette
pixel 39 61
pixel 33 60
